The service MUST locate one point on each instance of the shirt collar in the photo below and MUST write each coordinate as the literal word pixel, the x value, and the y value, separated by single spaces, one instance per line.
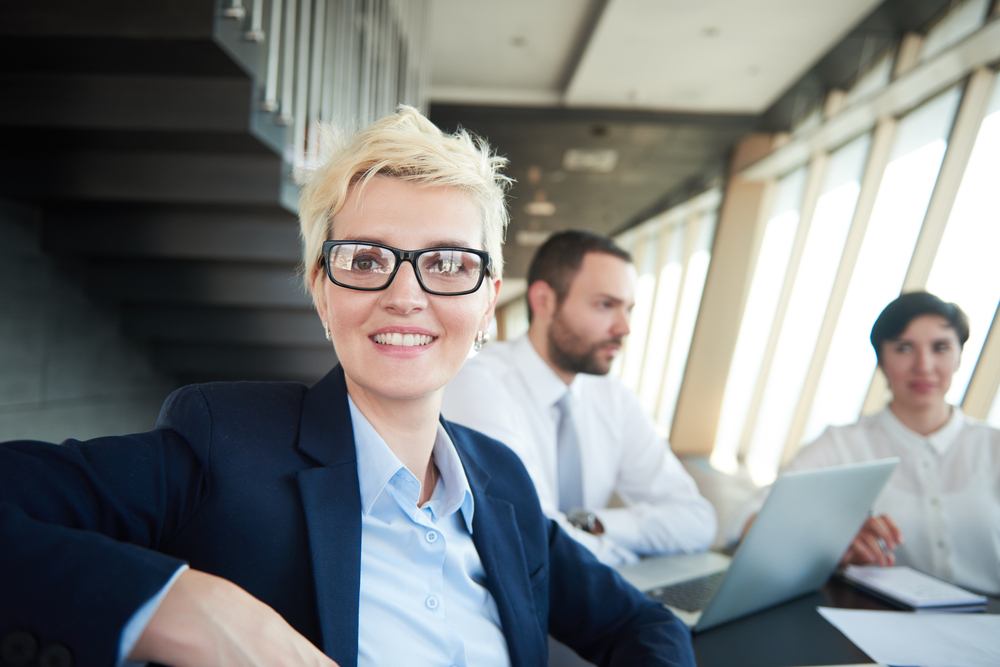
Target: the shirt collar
pixel 940 440
pixel 378 467
pixel 545 386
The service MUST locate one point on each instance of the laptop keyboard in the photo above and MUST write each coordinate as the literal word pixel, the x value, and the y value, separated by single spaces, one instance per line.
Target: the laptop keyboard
pixel 691 595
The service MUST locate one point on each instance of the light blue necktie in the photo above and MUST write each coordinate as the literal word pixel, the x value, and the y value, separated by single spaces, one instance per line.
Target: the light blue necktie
pixel 568 457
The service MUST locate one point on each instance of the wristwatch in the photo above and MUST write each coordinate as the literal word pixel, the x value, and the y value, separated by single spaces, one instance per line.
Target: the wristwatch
pixel 584 520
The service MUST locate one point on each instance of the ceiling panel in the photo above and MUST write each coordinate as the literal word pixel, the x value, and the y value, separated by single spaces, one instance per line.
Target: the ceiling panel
pixel 708 56
pixel 516 51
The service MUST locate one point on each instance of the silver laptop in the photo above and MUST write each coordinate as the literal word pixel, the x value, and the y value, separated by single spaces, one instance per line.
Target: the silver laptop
pixel 792 548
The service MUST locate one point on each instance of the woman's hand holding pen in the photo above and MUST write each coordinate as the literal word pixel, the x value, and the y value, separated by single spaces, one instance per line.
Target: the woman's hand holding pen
pixel 874 544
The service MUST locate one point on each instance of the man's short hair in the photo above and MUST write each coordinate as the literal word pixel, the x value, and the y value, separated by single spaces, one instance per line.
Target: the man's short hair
pixel 558 260
pixel 894 319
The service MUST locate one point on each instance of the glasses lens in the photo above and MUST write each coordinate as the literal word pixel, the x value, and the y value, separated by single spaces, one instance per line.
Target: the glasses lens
pixel 450 271
pixel 359 265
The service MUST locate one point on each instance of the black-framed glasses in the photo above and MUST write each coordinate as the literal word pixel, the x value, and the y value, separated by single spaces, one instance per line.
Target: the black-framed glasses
pixel 372 266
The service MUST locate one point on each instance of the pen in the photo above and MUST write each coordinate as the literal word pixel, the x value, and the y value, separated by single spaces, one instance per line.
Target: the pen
pixel 881 542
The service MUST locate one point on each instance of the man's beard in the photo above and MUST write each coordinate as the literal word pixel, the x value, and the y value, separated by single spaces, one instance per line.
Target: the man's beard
pixel 572 353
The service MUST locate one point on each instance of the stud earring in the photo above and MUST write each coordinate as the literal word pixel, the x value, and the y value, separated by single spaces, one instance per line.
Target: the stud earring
pixel 482 337
pixel 326 330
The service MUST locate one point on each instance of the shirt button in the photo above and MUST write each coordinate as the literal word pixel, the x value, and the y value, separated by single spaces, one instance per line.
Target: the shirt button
pixel 927 464
pixel 941 544
pixel 431 536
pixel 934 501
pixel 432 603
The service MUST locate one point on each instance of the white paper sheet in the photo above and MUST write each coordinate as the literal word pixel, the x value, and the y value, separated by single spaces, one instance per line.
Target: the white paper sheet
pixel 925 639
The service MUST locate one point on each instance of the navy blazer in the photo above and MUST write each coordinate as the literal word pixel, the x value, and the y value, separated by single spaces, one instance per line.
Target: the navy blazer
pixel 257 483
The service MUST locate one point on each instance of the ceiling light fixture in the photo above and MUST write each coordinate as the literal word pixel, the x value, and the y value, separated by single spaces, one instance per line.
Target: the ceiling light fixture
pixel 532 239
pixel 592 160
pixel 540 208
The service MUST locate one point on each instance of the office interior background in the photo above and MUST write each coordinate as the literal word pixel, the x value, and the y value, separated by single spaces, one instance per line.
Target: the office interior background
pixel 780 170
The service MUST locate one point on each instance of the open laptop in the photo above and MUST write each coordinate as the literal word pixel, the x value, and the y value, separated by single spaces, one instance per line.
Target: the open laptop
pixel 792 548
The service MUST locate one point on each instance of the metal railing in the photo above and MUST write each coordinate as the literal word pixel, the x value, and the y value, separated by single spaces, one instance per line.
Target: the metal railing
pixel 345 62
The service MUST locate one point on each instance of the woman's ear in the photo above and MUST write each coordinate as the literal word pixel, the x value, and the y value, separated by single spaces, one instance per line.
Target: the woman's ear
pixel 494 292
pixel 316 288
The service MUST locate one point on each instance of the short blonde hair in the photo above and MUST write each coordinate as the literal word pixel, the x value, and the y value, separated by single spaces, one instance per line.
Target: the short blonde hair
pixel 403 145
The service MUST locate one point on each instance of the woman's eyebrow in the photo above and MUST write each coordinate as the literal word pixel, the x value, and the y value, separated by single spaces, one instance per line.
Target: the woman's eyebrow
pixel 440 243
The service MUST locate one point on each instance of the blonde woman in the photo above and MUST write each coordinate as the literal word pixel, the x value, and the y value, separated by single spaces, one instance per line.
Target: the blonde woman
pixel 347 523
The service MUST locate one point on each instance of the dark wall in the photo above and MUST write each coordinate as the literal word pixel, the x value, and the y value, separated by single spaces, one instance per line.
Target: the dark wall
pixel 65 370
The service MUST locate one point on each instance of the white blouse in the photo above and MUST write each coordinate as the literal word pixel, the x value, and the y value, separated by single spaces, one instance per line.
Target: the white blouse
pixel 944 495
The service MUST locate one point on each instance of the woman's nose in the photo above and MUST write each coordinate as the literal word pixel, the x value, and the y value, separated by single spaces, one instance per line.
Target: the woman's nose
pixel 404 293
pixel 924 360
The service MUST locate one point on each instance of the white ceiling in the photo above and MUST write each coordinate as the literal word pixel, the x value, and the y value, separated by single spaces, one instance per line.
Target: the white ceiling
pixel 703 56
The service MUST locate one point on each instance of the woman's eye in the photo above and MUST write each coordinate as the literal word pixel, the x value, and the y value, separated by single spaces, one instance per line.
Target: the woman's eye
pixel 446 266
pixel 364 263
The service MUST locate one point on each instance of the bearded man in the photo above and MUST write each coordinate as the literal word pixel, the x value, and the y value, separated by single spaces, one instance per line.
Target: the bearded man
pixel 581 434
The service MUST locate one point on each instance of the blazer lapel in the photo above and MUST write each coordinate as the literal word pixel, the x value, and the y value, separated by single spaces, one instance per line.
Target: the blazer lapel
pixel 331 499
pixel 498 540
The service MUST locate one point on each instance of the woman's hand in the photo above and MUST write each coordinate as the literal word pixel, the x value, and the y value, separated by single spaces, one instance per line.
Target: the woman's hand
pixel 206 620
pixel 874 543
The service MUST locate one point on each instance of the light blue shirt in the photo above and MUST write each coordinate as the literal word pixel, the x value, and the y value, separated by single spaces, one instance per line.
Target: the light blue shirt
pixel 423 597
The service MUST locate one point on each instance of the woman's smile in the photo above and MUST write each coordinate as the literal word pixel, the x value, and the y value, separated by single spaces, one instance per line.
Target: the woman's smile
pixel 402 342
pixel 402 339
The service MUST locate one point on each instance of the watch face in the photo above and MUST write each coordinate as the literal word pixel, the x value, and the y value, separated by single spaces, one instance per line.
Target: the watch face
pixel 582 519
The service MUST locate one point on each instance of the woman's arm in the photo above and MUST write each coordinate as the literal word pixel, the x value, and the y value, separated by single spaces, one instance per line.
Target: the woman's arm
pixel 208 621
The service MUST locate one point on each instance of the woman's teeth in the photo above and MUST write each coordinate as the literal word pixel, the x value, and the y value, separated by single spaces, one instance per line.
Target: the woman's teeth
pixel 405 340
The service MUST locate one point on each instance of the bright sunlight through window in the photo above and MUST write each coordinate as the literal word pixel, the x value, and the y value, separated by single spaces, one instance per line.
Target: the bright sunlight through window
pixel 881 266
pixel 806 307
pixel 758 317
pixel 966 269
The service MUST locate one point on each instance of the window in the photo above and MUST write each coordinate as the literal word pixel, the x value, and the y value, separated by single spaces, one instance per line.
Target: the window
pixel 802 358
pixel 672 252
pixel 687 315
pixel 806 307
pixel 960 22
pixel 644 257
pixel 664 310
pixel 890 238
pixel 994 417
pixel 758 316
pixel 966 269
pixel 872 81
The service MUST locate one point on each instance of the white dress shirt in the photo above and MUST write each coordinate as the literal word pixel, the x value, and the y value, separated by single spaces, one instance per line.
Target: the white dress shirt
pixel 944 495
pixel 423 598
pixel 509 393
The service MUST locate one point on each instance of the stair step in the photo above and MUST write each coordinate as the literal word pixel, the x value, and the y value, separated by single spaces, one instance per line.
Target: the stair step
pixel 240 234
pixel 176 19
pixel 143 176
pixel 126 102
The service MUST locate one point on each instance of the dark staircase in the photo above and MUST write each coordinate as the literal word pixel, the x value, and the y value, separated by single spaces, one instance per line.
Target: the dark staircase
pixel 139 134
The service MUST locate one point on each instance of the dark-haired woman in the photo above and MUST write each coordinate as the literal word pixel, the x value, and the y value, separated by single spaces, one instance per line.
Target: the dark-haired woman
pixel 940 510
